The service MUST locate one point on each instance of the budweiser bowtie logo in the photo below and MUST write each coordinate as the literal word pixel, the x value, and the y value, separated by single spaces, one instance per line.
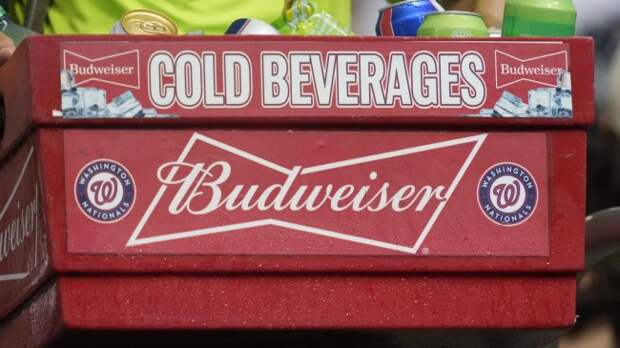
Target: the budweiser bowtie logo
pixel 543 69
pixel 384 200
pixel 120 69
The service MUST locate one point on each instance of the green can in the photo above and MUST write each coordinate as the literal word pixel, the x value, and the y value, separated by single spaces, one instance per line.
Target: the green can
pixel 453 24
pixel 539 18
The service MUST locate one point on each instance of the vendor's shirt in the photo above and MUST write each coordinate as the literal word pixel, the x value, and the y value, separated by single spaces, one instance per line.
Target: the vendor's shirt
pixel 208 16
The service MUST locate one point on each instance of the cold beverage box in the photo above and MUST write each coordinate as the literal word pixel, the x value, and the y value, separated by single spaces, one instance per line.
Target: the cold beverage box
pixel 250 183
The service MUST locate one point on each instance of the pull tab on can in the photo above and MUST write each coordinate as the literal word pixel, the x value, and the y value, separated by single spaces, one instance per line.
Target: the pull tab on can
pixel 145 22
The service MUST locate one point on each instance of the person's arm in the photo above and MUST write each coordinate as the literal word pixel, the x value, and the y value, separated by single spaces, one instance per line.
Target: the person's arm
pixel 492 11
pixel 6 48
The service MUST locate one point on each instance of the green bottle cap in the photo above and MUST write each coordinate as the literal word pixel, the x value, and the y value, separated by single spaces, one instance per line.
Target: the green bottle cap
pixel 2 12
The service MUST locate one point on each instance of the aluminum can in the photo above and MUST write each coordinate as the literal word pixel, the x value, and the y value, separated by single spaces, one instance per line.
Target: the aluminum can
pixel 539 18
pixel 144 22
pixel 117 29
pixel 404 18
pixel 248 26
pixel 453 24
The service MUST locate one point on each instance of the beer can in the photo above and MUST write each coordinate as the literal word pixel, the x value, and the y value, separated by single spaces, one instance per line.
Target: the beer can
pixel 405 18
pixel 453 24
pixel 144 22
pixel 117 29
pixel 248 26
pixel 539 18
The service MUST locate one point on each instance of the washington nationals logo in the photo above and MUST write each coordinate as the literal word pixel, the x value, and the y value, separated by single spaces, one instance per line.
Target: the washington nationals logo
pixel 507 194
pixel 105 191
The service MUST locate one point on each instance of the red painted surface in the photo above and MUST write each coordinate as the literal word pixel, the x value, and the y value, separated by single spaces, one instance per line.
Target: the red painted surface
pixel 23 235
pixel 45 91
pixel 377 193
pixel 36 324
pixel 565 211
pixel 306 77
pixel 94 306
pixel 317 301
pixel 519 285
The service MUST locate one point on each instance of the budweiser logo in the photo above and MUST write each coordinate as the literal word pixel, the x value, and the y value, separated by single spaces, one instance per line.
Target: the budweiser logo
pixel 120 69
pixel 542 70
pixel 19 222
pixel 233 190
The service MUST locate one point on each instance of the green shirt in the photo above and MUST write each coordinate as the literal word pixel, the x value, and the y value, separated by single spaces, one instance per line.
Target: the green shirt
pixel 210 16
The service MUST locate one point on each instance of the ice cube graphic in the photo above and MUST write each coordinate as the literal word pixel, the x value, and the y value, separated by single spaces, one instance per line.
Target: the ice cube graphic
pixel 124 97
pixel 149 113
pixel 83 102
pixel 125 105
pixel 540 101
pixel 136 111
pixel 487 113
pixel 509 105
pixel 67 80
pixel 562 104
pixel 563 98
pixel 93 101
pixel 501 112
pixel 564 81
pixel 70 103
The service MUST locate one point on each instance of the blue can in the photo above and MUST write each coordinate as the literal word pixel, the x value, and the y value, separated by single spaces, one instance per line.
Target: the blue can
pixel 404 18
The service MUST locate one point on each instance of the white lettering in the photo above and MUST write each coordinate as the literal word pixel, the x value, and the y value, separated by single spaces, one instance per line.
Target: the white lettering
pixel 14 233
pixel 200 191
pixel 161 65
pixel 275 87
pixel 346 78
pixel 238 72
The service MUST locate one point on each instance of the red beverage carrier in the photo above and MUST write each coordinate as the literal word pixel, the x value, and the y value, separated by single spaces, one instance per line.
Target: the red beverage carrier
pixel 306 183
